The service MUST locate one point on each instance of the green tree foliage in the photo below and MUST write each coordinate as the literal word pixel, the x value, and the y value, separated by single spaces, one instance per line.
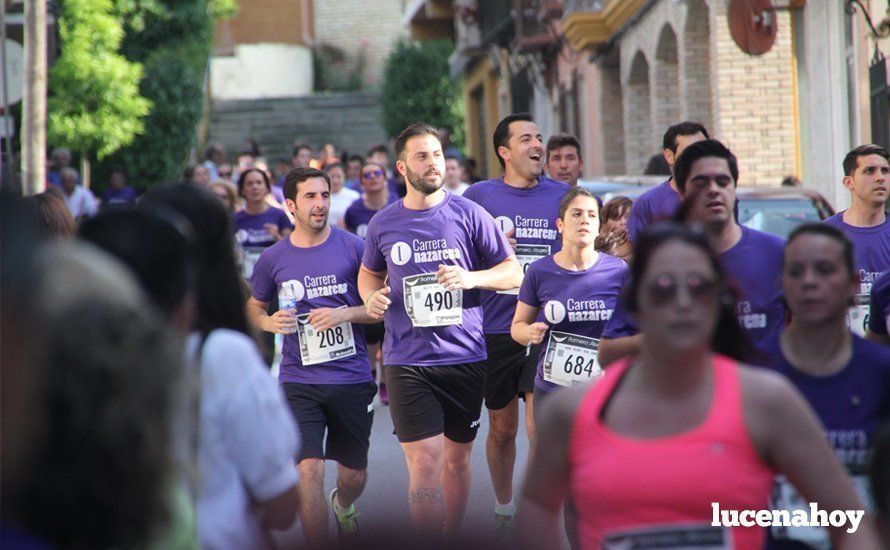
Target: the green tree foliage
pixel 417 88
pixel 95 104
pixel 173 39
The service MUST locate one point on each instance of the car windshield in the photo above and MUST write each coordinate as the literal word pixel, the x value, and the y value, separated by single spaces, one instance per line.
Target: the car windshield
pixel 778 217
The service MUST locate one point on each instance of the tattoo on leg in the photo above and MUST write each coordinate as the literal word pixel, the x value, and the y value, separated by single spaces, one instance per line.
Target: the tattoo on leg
pixel 425 496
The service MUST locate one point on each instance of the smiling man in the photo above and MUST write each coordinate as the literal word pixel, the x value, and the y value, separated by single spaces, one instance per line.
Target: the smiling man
pixel 525 204
pixel 867 176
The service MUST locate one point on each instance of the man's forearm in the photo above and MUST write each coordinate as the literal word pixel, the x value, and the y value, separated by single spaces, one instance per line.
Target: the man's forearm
pixel 257 316
pixel 507 275
pixel 369 283
pixel 358 315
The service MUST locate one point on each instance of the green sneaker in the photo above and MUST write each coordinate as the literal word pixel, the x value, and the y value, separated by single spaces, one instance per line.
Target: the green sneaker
pixel 347 522
pixel 503 526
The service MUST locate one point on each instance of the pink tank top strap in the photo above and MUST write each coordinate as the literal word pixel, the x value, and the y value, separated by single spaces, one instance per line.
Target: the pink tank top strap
pixel 585 423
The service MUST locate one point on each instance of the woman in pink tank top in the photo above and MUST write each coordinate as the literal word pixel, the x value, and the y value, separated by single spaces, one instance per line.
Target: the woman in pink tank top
pixel 668 442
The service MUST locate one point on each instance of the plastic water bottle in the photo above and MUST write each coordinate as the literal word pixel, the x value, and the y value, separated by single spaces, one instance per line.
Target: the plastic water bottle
pixel 288 302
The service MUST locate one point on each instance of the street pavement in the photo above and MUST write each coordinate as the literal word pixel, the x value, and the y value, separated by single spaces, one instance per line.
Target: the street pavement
pixel 384 504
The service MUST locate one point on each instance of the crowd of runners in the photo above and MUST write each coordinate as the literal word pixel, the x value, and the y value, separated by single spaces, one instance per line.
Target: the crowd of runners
pixel 660 356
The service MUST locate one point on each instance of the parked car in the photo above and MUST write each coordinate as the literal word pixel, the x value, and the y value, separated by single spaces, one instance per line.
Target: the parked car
pixel 776 210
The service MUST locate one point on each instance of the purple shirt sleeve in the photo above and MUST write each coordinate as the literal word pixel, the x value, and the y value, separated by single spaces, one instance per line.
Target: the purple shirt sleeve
pixel 262 286
pixel 620 324
pixel 373 258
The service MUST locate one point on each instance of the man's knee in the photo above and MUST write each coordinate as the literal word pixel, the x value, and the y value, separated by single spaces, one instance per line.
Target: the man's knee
pixel 311 473
pixel 353 478
pixel 503 425
pixel 425 463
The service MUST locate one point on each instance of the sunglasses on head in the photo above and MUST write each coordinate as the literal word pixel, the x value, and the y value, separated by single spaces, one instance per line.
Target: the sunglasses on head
pixel 373 174
pixel 665 288
pixel 224 174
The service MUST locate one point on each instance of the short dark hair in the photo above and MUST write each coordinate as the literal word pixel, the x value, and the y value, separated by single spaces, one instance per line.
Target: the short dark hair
pixel 333 165
pixel 699 150
pixel 416 129
pixel 299 146
pixel 452 157
pixel 353 158
pixel 295 177
pixel 243 178
pixel 502 132
pixel 831 232
pixel 379 148
pixel 851 161
pixel 682 129
pixel 563 140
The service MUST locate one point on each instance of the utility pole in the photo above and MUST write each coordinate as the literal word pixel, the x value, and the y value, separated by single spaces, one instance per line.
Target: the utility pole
pixel 34 100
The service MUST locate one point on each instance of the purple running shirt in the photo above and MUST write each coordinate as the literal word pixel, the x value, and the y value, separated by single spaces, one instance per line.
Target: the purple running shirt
pixel 320 276
pixel 576 305
pixel 358 216
pixel 871 252
pixel 754 267
pixel 427 325
pixel 532 214
pixel 251 236
pixel 657 204
pixel 851 404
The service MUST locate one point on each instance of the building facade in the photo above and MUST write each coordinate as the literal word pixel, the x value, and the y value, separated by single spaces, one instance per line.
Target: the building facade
pixel 617 73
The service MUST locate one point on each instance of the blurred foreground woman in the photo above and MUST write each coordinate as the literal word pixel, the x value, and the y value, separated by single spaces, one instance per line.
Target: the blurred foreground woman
pixel 648 449
pixel 247 437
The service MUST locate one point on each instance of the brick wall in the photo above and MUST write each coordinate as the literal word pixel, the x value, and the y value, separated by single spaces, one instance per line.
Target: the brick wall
pixel 755 103
pixel 367 27
pixel 679 62
pixel 265 21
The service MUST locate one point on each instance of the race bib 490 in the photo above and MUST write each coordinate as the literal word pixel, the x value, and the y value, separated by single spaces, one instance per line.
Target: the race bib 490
pixel 429 304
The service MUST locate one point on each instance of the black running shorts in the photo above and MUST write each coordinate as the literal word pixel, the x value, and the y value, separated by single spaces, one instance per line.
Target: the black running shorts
pixel 428 401
pixel 511 371
pixel 343 410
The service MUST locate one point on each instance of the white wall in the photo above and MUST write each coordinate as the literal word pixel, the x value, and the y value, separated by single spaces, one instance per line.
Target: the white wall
pixel 262 70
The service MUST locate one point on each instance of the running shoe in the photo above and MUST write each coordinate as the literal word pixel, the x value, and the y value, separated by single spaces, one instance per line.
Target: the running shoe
pixel 347 522
pixel 503 526
pixel 384 397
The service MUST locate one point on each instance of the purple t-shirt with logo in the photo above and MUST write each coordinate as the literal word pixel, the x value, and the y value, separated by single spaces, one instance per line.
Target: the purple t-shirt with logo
pixel 431 326
pixel 250 231
pixel 118 197
pixel 320 276
pixel 532 214
pixel 573 302
pixel 657 204
pixel 871 252
pixel 851 405
pixel 754 267
pixel 358 215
